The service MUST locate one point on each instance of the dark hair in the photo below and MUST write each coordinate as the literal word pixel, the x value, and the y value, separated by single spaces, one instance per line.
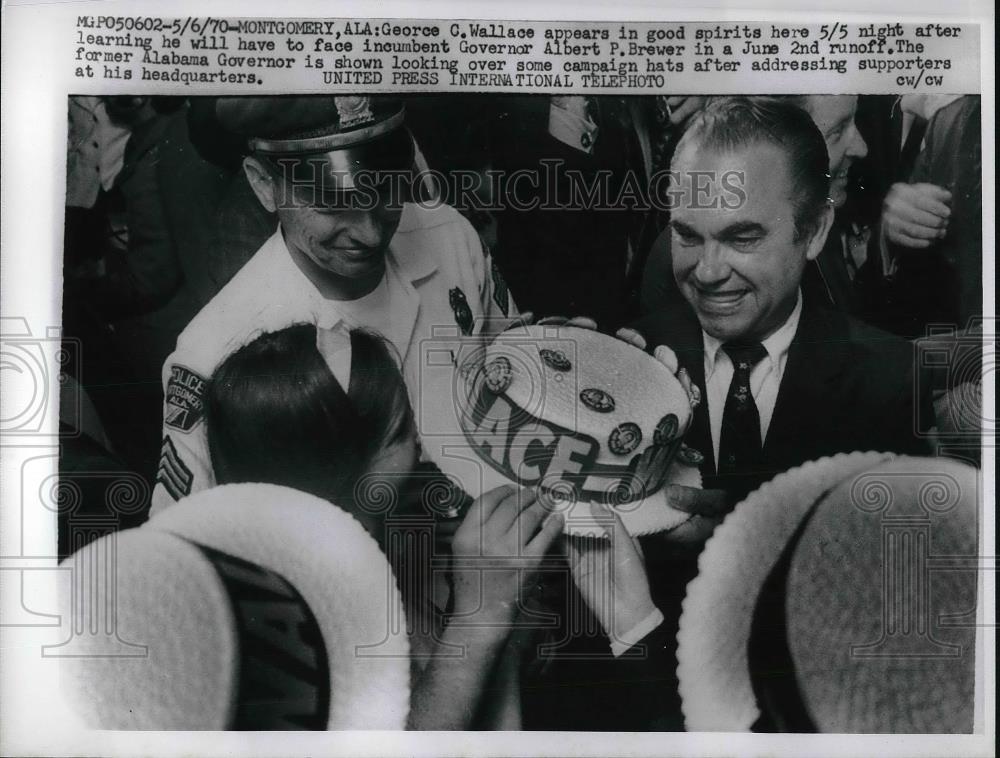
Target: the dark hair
pixel 729 123
pixel 276 414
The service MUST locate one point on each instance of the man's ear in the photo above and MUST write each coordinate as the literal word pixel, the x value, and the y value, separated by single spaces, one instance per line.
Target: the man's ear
pixel 261 182
pixel 819 235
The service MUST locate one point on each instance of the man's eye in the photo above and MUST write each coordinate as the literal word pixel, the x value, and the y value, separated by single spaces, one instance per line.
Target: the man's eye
pixel 837 133
pixel 745 242
pixel 686 238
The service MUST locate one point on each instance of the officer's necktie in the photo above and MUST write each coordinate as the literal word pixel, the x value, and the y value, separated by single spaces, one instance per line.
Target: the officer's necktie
pixel 740 450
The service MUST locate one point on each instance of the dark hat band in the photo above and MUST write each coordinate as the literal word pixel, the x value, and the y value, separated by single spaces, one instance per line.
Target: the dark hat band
pixel 772 668
pixel 283 679
pixel 322 143
pixel 535 452
pixel 334 171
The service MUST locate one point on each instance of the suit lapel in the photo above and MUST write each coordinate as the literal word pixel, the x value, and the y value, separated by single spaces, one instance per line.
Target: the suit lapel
pixel 809 387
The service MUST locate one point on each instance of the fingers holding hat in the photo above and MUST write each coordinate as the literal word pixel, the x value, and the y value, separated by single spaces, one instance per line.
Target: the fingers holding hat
pixel 510 512
pixel 552 321
pixel 584 322
pixel 698 502
pixel 668 358
pixel 632 337
pixel 484 506
pixel 611 574
pixel 543 523
pixel 526 318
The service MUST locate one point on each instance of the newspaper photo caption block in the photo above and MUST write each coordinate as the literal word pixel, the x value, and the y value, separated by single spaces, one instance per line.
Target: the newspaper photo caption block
pixel 250 56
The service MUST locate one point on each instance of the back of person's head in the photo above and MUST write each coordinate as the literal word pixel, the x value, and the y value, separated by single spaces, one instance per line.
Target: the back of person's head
pixel 730 124
pixel 276 413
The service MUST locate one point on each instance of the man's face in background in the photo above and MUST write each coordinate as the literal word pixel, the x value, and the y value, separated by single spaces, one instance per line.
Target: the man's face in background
pixel 834 115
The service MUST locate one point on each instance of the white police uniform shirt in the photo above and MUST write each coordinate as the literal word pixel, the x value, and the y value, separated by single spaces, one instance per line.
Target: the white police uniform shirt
pixel 445 296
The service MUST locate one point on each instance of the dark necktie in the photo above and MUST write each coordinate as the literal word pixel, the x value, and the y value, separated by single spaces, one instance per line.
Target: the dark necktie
pixel 740 450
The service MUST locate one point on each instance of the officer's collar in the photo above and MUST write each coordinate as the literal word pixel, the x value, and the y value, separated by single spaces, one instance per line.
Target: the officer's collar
pixel 413 264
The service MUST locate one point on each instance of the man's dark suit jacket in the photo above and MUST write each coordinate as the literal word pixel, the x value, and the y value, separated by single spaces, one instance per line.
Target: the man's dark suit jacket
pixel 560 257
pixel 846 386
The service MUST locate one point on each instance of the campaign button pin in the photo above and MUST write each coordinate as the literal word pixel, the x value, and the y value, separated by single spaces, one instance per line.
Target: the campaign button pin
pixel 625 438
pixel 555 359
pixel 666 430
pixel 689 456
pixel 498 375
pixel 597 400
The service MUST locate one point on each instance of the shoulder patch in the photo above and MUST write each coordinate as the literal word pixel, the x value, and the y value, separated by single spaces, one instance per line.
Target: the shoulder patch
pixel 175 477
pixel 501 295
pixel 185 399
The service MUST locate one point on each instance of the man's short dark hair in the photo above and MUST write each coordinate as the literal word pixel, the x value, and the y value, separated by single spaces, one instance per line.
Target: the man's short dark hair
pixel 730 123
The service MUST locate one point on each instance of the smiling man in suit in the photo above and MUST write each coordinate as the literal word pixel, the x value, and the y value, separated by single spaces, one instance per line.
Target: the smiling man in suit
pixel 784 381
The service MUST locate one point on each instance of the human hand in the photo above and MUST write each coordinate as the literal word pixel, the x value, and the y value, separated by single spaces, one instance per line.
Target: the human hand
pixel 610 575
pixel 915 215
pixel 707 508
pixel 682 107
pixel 497 550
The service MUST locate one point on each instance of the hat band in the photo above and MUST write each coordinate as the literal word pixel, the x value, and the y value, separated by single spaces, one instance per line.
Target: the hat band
pixel 772 669
pixel 283 679
pixel 319 177
pixel 327 142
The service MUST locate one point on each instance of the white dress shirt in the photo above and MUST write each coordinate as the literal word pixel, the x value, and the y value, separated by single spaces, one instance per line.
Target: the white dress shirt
pixel 765 378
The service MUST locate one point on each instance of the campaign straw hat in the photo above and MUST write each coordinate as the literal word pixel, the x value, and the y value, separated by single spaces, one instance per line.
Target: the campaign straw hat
pixel 839 597
pixel 246 606
pixel 583 416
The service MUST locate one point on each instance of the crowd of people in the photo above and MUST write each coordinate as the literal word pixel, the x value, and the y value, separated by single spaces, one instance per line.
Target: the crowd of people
pixel 254 281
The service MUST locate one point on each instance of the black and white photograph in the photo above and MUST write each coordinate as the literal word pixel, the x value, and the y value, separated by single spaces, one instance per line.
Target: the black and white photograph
pixel 493 380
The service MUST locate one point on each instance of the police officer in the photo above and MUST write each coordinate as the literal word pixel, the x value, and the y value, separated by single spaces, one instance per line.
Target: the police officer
pixel 347 249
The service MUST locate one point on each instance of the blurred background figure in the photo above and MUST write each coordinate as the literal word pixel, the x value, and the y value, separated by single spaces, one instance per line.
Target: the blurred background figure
pixel 574 241
pixel 931 233
pixel 131 288
pixel 95 155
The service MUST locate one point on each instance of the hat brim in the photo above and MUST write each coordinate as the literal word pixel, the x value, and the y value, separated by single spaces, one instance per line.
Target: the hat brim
pixel 332 176
pixel 869 534
pixel 174 655
pixel 717 612
pixel 337 568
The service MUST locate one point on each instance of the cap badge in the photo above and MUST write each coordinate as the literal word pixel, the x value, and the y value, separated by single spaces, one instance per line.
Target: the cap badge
pixel 353 110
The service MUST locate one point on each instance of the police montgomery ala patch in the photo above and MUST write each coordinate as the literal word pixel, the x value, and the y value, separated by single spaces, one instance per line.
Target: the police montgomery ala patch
pixel 185 399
